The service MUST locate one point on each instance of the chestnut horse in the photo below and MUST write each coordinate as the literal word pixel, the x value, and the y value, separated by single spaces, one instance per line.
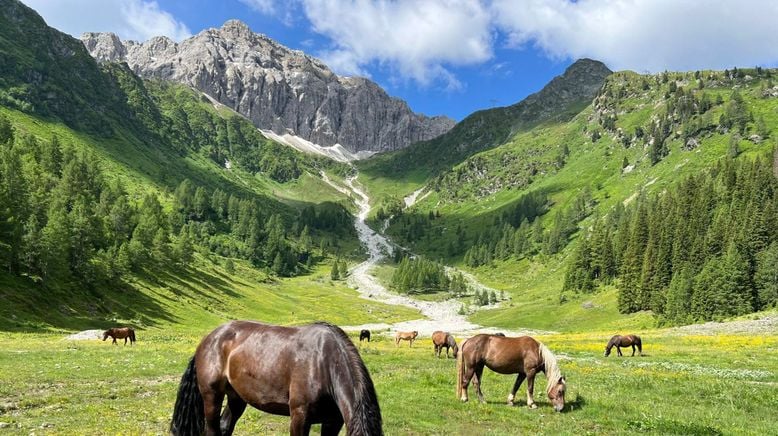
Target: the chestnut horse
pixel 523 355
pixel 120 333
pixel 624 341
pixel 444 340
pixel 405 336
pixel 312 373
pixel 364 334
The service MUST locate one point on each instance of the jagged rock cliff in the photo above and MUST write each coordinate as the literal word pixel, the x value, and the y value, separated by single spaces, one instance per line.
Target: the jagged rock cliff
pixel 277 88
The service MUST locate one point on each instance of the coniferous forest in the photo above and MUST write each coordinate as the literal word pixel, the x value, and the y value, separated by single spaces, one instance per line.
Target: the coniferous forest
pixel 705 249
pixel 62 219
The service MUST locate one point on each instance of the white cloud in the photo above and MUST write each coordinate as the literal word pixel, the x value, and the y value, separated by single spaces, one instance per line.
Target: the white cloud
pixel 646 34
pixel 130 19
pixel 263 6
pixel 421 39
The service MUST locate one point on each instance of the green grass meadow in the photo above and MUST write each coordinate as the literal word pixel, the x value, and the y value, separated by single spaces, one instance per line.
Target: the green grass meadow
pixel 683 385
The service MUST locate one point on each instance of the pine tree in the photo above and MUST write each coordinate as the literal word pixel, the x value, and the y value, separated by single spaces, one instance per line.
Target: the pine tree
pixel 766 277
pixel 32 241
pixel 679 297
pixel 183 248
pixel 733 150
pixel 279 268
pixel 335 272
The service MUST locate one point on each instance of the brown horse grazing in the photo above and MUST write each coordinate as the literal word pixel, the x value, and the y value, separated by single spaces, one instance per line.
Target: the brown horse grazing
pixel 312 373
pixel 444 340
pixel 364 334
pixel 120 333
pixel 523 355
pixel 405 336
pixel 624 341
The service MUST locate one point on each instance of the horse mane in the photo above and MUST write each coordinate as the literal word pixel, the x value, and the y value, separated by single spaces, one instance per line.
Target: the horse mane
pixel 552 370
pixel 366 413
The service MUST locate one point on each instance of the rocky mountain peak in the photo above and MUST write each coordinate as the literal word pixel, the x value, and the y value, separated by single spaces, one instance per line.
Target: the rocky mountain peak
pixel 277 88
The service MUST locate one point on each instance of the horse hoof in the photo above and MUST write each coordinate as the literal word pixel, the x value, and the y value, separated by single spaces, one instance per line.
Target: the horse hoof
pixel 533 406
pixel 463 399
pixel 510 403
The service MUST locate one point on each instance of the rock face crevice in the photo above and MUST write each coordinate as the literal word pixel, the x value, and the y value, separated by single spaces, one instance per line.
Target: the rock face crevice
pixel 277 88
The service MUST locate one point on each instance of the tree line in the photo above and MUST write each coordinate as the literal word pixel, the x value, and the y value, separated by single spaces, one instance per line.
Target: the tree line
pixel 705 249
pixel 420 275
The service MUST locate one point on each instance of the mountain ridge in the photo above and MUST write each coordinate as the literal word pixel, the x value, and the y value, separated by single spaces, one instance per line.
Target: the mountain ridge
pixel 562 97
pixel 278 89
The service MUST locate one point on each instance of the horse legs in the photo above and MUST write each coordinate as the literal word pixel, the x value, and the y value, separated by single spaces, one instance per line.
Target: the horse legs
pixel 446 351
pixel 633 350
pixel 410 343
pixel 212 402
pixel 479 372
pixel 299 425
pixel 437 351
pixel 397 341
pixel 519 379
pixel 332 428
pixel 531 389
pixel 125 341
pixel 114 340
pixel 231 413
pixel 618 350
pixel 468 375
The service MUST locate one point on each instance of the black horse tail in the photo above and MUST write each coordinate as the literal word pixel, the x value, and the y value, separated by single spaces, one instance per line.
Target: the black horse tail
pixel 365 417
pixel 132 336
pixel 188 413
pixel 639 343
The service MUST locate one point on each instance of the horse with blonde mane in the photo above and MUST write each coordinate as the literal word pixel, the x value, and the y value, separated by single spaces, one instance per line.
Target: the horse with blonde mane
pixel 443 340
pixel 405 336
pixel 523 355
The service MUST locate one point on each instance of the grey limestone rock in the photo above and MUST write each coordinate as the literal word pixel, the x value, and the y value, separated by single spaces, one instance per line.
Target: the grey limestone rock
pixel 275 87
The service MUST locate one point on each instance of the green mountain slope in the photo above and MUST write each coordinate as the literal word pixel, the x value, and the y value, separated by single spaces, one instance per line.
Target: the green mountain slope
pixel 640 135
pixel 559 100
pixel 142 202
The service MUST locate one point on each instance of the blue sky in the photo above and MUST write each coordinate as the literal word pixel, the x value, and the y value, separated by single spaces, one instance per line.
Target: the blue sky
pixel 453 57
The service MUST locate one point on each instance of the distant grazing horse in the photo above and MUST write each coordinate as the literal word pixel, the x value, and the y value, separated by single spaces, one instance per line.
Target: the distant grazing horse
pixel 523 355
pixel 405 336
pixel 312 373
pixel 364 334
pixel 444 340
pixel 624 341
pixel 120 333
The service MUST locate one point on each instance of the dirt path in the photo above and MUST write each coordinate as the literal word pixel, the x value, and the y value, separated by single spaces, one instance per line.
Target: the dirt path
pixel 438 315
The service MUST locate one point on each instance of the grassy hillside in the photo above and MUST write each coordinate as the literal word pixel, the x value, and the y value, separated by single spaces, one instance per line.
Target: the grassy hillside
pixel 140 202
pixel 583 167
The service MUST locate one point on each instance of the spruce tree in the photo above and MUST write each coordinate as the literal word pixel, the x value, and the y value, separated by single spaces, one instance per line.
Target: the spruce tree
pixel 334 272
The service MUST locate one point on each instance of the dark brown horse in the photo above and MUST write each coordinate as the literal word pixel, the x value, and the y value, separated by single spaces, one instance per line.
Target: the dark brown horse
pixel 312 373
pixel 120 333
pixel 624 341
pixel 523 355
pixel 364 334
pixel 405 336
pixel 444 340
